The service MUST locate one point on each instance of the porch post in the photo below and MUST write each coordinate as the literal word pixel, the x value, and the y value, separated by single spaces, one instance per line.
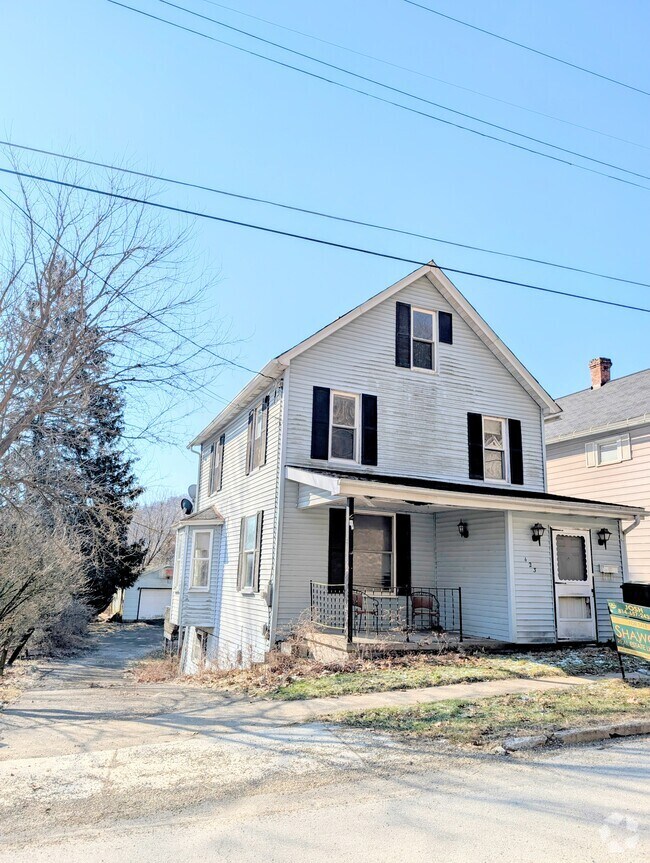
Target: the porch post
pixel 349 568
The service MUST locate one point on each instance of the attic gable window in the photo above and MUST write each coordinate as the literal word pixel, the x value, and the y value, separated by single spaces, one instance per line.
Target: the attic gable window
pixel 344 420
pixel 258 424
pixel 423 348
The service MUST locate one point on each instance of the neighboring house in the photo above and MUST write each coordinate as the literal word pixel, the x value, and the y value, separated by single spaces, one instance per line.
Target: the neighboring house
pixel 148 598
pixel 600 447
pixel 406 433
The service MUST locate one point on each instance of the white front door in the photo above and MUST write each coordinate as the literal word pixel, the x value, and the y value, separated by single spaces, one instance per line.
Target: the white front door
pixel 574 585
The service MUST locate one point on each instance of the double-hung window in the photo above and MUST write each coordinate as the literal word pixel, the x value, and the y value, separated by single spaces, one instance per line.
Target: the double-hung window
pixel 494 448
pixel 250 548
pixel 344 427
pixel 201 559
pixel 216 465
pixel 423 346
pixel 257 434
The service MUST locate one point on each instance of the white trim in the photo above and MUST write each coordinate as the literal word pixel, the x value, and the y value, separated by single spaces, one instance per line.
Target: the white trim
pixel 277 560
pixel 180 547
pixel 340 486
pixel 511 575
pixel 589 583
pixel 593 449
pixel 644 419
pixel 393 538
pixel 506 449
pixel 203 588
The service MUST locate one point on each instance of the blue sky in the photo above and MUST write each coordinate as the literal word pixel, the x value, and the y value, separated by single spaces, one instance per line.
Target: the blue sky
pixel 95 80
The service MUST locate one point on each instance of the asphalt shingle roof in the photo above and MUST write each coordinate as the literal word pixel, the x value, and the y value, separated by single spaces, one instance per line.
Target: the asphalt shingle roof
pixel 617 401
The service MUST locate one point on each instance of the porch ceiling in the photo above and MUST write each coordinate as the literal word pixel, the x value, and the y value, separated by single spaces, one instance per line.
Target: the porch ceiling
pixel 327 487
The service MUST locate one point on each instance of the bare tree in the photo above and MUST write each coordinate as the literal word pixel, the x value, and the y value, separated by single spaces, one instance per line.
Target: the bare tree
pixel 152 526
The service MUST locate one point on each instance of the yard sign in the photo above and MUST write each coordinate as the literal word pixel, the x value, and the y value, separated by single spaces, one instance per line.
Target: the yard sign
pixel 631 625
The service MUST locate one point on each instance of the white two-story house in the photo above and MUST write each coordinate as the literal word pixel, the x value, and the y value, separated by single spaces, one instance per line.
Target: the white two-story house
pixel 389 472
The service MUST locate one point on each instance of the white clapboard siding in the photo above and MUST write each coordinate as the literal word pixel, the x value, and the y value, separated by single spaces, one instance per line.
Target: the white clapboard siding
pixel 238 619
pixel 198 606
pixel 305 539
pixel 422 417
pixel 177 594
pixel 627 482
pixel 478 566
pixel 533 568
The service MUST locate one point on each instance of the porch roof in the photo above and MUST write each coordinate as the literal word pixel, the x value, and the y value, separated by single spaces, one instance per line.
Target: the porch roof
pixel 210 516
pixel 419 491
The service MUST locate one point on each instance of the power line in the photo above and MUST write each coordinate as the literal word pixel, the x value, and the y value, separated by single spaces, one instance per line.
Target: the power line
pixel 321 214
pixel 530 48
pixel 398 90
pixel 421 74
pixel 189 339
pixel 318 241
pixel 411 110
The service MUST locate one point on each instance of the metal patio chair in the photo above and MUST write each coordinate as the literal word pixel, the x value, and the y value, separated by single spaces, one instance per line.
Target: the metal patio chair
pixel 364 606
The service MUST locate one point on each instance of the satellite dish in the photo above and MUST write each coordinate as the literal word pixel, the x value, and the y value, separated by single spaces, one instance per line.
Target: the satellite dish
pixel 187 506
pixel 191 491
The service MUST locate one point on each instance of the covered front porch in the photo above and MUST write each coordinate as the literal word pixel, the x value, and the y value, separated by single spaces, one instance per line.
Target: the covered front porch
pixel 409 561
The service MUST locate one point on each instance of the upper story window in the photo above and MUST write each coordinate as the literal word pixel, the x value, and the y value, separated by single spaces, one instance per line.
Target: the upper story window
pixel 344 426
pixel 216 465
pixel 494 449
pixel 611 450
pixel 423 346
pixel 201 559
pixel 418 332
pixel 258 422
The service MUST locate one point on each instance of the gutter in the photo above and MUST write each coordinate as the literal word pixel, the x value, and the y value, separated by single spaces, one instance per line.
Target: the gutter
pixel 613 426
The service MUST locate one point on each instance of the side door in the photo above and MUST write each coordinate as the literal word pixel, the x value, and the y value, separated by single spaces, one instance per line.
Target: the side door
pixel 573 582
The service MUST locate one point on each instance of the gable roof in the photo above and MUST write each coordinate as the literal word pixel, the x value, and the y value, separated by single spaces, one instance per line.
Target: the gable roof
pixel 620 403
pixel 439 282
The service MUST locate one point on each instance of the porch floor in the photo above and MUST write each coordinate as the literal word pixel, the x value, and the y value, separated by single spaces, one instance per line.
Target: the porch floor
pixel 330 645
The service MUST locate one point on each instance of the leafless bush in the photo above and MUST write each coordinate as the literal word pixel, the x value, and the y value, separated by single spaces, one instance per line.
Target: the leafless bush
pixel 63 634
pixel 152 525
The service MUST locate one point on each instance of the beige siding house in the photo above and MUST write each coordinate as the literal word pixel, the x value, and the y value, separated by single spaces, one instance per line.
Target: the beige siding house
pixel 387 474
pixel 599 447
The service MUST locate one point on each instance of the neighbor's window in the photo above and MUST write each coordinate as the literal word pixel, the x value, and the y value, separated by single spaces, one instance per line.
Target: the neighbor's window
pixel 343 426
pixel 423 350
pixel 610 450
pixel 249 558
pixel 201 554
pixel 494 448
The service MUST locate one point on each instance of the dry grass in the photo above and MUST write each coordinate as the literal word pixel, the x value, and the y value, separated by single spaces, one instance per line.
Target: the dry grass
pixel 291 678
pixel 484 721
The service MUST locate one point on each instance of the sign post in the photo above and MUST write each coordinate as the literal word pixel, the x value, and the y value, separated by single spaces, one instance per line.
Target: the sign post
pixel 631 627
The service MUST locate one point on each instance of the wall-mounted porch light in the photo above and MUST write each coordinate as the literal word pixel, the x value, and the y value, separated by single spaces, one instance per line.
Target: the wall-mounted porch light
pixel 603 536
pixel 537 531
pixel 463 530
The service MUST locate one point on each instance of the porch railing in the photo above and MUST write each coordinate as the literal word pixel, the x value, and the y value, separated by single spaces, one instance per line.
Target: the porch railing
pixel 417 609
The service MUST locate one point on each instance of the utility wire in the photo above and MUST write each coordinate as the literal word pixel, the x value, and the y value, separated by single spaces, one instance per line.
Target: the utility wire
pixel 530 48
pixel 401 92
pixel 321 214
pixel 411 110
pixel 421 74
pixel 321 242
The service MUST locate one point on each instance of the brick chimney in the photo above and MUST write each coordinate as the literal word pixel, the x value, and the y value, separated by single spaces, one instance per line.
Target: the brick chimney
pixel 599 369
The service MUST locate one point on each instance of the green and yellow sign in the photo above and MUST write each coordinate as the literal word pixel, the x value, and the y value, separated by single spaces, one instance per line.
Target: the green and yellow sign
pixel 631 625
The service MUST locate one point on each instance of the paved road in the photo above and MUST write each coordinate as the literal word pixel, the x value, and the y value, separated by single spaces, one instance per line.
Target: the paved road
pixel 95 768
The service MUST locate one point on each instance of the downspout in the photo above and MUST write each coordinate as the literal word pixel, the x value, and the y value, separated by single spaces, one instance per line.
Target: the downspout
pixel 635 523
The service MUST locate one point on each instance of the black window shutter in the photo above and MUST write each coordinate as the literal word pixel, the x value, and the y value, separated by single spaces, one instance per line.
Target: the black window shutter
pixel 258 551
pixel 445 333
pixel 220 449
pixel 403 335
pixel 320 423
pixel 211 463
pixel 249 443
pixel 240 567
pixel 516 452
pixel 265 427
pixel 368 429
pixel 336 552
pixel 403 553
pixel 475 445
